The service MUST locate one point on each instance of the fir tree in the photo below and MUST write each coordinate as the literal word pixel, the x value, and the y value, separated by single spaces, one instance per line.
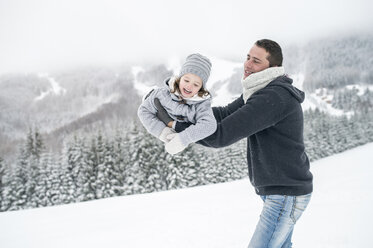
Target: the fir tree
pixel 121 160
pixel 98 163
pixel 54 187
pixel 34 150
pixel 133 176
pixel 87 179
pixel 38 144
pixel 2 183
pixel 67 189
pixel 43 185
pixel 109 179
pixel 147 156
pixel 16 195
pixel 75 156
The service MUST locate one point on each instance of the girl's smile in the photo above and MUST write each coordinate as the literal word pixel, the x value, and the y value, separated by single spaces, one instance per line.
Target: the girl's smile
pixel 189 85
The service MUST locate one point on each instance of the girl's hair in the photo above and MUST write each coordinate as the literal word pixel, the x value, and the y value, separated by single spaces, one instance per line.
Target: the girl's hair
pixel 201 92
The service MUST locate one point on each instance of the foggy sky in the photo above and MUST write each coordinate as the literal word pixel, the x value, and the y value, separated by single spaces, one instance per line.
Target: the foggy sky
pixel 42 35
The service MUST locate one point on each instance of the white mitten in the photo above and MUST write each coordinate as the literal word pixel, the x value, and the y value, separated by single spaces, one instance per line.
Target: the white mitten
pixel 175 145
pixel 166 131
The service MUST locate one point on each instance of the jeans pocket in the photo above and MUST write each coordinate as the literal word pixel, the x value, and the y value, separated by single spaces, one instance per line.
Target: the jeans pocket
pixel 300 204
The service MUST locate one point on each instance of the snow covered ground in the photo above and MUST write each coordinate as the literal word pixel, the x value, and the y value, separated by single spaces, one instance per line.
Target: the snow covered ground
pixel 212 216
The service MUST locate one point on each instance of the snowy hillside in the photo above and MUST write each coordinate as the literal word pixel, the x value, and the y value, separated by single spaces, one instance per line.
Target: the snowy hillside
pixel 51 101
pixel 316 99
pixel 322 98
pixel 214 216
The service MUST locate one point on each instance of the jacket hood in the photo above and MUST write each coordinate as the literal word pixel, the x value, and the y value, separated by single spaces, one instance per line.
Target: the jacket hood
pixel 286 83
pixel 170 85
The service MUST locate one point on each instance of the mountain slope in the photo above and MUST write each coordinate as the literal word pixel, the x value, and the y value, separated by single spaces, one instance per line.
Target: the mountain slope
pixel 217 216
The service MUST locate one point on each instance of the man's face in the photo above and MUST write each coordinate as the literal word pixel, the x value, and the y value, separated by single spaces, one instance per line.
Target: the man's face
pixel 256 61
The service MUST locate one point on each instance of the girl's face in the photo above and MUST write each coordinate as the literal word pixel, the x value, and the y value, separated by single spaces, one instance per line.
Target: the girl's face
pixel 189 85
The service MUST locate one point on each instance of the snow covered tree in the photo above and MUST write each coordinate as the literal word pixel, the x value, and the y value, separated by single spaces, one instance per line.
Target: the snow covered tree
pixel 34 150
pixel 42 186
pixel 2 171
pixel 16 195
pixel 34 144
pixel 98 162
pixel 90 172
pixel 54 187
pixel 2 181
pixel 109 177
pixel 74 154
pixel 121 158
pixel 146 158
pixel 86 178
pixel 366 102
pixel 38 144
pixel 133 176
pixel 25 174
pixel 67 189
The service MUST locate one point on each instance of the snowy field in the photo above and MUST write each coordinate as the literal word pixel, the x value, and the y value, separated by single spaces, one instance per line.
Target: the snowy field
pixel 213 216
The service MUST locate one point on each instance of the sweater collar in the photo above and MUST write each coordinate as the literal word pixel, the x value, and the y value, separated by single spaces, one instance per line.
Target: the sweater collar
pixel 259 80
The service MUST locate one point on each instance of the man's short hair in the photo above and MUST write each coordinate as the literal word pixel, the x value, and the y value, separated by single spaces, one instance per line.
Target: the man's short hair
pixel 274 50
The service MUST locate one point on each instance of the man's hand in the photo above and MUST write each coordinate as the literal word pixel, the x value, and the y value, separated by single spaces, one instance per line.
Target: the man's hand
pixel 162 113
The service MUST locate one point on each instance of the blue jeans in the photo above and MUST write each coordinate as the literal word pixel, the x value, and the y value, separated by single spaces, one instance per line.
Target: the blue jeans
pixel 277 220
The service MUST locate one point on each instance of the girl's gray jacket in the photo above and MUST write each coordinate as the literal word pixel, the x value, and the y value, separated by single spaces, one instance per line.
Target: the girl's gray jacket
pixel 196 110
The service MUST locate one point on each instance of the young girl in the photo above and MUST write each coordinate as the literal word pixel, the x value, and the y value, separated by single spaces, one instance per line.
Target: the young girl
pixel 186 100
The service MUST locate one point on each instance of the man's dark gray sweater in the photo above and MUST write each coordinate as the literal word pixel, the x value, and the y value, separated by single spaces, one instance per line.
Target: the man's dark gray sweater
pixel 272 122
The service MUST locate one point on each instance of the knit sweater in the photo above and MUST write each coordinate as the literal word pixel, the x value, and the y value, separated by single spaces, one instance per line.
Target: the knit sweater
pixel 272 122
pixel 196 110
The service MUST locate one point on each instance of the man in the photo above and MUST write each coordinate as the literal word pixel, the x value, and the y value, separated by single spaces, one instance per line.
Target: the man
pixel 269 115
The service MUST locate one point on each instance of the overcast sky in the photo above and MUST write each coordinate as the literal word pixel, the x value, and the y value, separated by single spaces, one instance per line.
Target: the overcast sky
pixel 42 35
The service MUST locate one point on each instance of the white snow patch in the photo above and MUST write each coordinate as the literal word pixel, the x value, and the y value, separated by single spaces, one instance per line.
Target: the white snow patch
pixel 322 100
pixel 55 89
pixel 361 88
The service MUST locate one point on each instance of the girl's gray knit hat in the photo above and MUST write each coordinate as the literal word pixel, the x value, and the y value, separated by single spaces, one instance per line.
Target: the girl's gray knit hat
pixel 198 65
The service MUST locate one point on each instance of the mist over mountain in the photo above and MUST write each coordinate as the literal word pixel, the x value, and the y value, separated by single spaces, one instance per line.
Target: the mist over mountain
pixel 86 98
pixel 333 62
